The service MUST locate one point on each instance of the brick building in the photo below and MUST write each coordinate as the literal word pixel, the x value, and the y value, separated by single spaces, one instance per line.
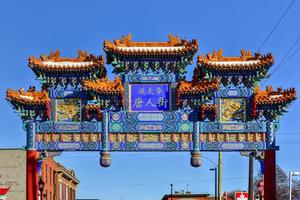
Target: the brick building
pixel 187 196
pixel 49 177
pixel 67 183
pixel 60 183
pixel 13 173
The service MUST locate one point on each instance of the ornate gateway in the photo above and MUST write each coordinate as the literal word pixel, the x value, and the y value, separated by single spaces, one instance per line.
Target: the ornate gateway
pixel 150 106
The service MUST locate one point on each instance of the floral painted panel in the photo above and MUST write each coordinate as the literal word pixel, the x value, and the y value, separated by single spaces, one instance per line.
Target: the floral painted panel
pixel 232 109
pixel 68 110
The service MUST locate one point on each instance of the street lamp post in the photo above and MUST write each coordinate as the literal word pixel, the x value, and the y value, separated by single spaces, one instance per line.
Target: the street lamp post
pixel 291 174
pixel 41 188
pixel 216 172
pixel 171 187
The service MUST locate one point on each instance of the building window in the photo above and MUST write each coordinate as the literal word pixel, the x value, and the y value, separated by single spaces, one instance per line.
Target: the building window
pixel 53 177
pixel 46 175
pixel 71 194
pixel 60 191
pixel 50 175
pixel 67 192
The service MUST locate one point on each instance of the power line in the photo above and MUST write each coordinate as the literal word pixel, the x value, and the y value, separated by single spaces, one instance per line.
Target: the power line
pixel 290 56
pixel 276 25
pixel 157 183
pixel 289 133
pixel 285 59
pixel 295 82
pixel 289 144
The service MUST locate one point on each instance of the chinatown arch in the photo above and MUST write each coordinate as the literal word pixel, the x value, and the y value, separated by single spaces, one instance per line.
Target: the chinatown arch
pixel 150 106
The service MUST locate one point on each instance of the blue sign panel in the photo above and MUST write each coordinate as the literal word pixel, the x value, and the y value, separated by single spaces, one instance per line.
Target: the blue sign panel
pixel 149 97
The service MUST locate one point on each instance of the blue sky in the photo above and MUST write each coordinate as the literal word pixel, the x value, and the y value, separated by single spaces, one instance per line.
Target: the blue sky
pixel 36 27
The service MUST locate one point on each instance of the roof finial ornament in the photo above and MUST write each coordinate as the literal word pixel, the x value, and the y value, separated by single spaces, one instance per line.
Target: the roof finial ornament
pixel 173 40
pixel 218 54
pixel 21 91
pixel 31 89
pixel 256 89
pixel 246 54
pixel 269 88
pixel 82 55
pixel 126 39
pixel 54 55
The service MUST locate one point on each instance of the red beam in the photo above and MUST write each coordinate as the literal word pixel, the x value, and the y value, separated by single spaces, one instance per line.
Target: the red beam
pixel 32 175
pixel 270 175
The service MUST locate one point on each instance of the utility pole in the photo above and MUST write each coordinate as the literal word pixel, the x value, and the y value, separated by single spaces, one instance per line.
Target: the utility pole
pixel 171 187
pixel 290 185
pixel 216 186
pixel 291 174
pixel 216 174
pixel 250 182
pixel 220 166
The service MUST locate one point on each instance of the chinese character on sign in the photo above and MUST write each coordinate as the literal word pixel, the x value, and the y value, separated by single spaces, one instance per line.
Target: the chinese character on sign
pixel 149 102
pixel 138 103
pixel 150 91
pixel 163 102
pixel 149 97
pixel 142 91
pixel 158 90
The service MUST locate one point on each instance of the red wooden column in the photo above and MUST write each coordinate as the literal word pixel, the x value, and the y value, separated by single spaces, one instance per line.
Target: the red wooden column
pixel 270 175
pixel 32 175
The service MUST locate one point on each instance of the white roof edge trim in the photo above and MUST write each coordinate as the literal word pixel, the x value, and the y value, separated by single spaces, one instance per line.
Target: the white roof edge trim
pixel 26 97
pixel 66 63
pixel 235 62
pixel 151 48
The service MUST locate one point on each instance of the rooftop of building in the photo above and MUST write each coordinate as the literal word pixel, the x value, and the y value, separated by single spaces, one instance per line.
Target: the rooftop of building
pixel 55 64
pixel 126 47
pixel 104 86
pixel 173 44
pixel 29 97
pixel 271 96
pixel 197 87
pixel 67 173
pixel 186 195
pixel 216 61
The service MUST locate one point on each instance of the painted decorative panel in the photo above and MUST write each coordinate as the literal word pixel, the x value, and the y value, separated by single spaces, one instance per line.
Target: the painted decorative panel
pixel 233 92
pixel 68 127
pixel 232 109
pixel 232 146
pixel 68 110
pixel 68 146
pixel 150 78
pixel 150 122
pixel 234 127
pixel 151 146
pixel 66 93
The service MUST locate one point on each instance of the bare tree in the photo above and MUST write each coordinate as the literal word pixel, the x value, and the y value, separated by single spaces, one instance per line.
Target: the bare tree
pixel 282 185
pixel 296 189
